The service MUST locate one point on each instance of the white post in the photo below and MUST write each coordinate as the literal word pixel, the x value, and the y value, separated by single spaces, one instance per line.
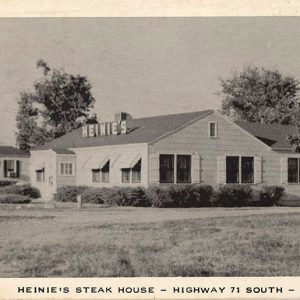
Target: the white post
pixel 79 202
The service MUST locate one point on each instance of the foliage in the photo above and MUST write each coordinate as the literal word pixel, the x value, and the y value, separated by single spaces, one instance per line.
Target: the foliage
pixel 91 195
pixel 23 190
pixel 59 103
pixel 120 196
pixel 160 197
pixel 14 199
pixel 126 196
pixel 232 196
pixel 271 195
pixel 258 94
pixel 201 195
pixel 69 193
pixel 7 182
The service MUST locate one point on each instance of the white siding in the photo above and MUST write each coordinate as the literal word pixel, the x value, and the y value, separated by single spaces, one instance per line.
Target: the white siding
pixel 231 140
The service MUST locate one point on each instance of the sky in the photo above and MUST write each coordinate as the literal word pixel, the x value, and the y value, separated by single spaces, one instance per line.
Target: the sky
pixel 144 66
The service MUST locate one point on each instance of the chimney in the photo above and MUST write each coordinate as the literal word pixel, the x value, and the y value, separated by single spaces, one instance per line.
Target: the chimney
pixel 122 116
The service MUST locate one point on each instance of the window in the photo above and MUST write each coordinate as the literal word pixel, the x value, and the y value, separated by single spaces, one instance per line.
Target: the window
pixel 136 172
pixel 233 166
pixel 247 169
pixel 232 169
pixel 10 165
pixel 11 168
pixel 126 175
pixel 96 175
pixel 183 168
pixel 105 172
pixel 293 170
pixel 166 168
pixel 40 175
pixel 212 130
pixel 66 169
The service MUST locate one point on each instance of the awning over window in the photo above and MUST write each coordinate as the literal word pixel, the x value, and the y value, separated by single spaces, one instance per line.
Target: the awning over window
pixel 127 160
pixel 96 162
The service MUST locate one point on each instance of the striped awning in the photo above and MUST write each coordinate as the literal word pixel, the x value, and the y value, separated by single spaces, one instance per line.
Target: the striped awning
pixel 96 162
pixel 128 160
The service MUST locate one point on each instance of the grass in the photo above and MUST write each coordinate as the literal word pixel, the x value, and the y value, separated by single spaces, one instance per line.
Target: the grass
pixel 109 242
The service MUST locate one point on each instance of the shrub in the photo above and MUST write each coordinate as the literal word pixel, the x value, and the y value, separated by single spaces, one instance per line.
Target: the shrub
pixel 6 182
pixel 271 195
pixel 232 196
pixel 14 199
pixel 126 196
pixel 201 195
pixel 23 190
pixel 195 195
pixel 92 195
pixel 160 197
pixel 69 193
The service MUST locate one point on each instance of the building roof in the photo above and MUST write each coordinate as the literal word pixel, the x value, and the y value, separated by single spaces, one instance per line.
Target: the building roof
pixel 141 130
pixel 12 151
pixel 274 135
pixel 63 151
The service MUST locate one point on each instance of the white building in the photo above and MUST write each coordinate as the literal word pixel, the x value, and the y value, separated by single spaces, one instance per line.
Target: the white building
pixel 197 147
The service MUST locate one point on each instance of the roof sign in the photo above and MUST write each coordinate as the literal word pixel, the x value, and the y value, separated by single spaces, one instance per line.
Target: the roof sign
pixel 104 128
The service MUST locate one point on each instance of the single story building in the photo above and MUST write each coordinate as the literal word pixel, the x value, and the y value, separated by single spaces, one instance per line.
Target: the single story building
pixel 196 147
pixel 14 164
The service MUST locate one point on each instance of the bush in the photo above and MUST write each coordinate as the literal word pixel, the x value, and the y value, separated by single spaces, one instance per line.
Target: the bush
pixel 160 197
pixel 92 195
pixel 23 190
pixel 232 196
pixel 6 182
pixel 69 193
pixel 126 196
pixel 271 195
pixel 14 199
pixel 201 195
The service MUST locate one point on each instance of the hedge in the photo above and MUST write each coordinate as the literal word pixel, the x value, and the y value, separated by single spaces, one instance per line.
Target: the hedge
pixel 232 196
pixel 271 195
pixel 69 193
pixel 193 195
pixel 14 199
pixel 6 183
pixel 23 190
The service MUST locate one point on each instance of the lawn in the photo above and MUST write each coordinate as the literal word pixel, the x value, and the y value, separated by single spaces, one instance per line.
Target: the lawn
pixel 109 242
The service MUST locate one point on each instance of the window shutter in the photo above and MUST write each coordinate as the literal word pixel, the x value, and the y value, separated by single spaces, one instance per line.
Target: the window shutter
pixel 5 168
pixel 17 168
pixel 154 168
pixel 257 169
pixel 284 169
pixel 222 169
pixel 196 168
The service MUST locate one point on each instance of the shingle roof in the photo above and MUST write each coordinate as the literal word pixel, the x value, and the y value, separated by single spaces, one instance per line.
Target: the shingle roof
pixel 63 151
pixel 12 151
pixel 274 135
pixel 141 130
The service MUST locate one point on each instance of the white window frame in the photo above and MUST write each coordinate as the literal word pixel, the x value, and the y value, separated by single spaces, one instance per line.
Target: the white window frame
pixel 64 173
pixel 42 172
pixel 287 168
pixel 216 130
pixel 240 169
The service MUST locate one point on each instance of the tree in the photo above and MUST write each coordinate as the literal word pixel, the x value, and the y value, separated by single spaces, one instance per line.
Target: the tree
pixel 59 103
pixel 260 95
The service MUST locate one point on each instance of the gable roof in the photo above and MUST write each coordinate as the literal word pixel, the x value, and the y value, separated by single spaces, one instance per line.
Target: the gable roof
pixel 140 130
pixel 12 151
pixel 273 135
pixel 63 151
